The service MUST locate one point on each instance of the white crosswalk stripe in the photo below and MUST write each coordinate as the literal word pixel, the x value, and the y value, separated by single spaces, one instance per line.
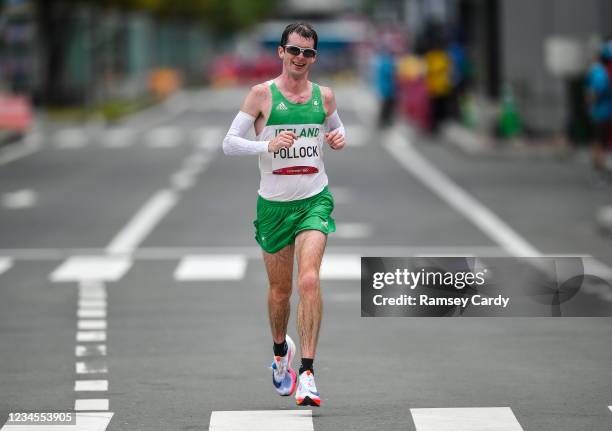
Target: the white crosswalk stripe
pixel 465 419
pixel 229 267
pixel 264 420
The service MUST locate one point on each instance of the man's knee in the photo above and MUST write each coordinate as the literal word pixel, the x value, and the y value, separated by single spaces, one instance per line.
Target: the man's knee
pixel 308 282
pixel 280 292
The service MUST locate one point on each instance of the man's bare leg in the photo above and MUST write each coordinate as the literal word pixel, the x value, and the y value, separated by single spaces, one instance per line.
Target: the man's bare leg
pixel 309 246
pixel 279 266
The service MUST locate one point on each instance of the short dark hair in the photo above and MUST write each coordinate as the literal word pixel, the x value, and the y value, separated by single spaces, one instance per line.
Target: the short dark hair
pixel 301 28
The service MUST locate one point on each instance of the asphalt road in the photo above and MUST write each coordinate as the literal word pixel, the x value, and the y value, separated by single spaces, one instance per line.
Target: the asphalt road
pixel 129 277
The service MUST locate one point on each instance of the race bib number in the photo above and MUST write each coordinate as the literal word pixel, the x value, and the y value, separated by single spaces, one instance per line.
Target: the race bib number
pixel 303 157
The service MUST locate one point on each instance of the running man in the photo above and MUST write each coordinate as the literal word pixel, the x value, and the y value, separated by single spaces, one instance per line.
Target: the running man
pixel 293 119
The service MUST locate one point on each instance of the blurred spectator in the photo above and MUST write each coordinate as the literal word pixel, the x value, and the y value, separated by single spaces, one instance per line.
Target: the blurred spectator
pixel 384 71
pixel 414 100
pixel 439 70
pixel 599 98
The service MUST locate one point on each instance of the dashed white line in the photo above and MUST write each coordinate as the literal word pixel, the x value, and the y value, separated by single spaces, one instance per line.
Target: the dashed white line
pixel 85 325
pixel 83 351
pixel 91 313
pixel 91 367
pixel 91 404
pixel 91 385
pixel 92 303
pixel 90 336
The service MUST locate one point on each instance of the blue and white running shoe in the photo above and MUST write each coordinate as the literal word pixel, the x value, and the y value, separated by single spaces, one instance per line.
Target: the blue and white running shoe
pixel 284 378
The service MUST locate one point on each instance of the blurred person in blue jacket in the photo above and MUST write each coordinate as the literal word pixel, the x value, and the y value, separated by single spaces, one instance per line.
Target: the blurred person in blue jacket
pixel 384 74
pixel 599 98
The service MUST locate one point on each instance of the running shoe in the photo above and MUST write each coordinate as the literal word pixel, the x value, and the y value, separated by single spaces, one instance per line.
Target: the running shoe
pixel 307 394
pixel 284 378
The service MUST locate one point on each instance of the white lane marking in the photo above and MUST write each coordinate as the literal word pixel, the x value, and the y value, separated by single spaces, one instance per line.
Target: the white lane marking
pixel 92 290
pixel 91 313
pixel 90 336
pixel 95 367
pixel 91 385
pixel 341 267
pixel 182 180
pixel 80 268
pixel 254 252
pixel 83 422
pixel 356 135
pixel 90 350
pixel 458 198
pixel 119 137
pixel 465 419
pixel 5 264
pixel 92 303
pixel 91 404
pixel 143 222
pixel 20 199
pixel 164 137
pixel 91 325
pixel 211 139
pixel 610 407
pixel 353 230
pixel 29 145
pixel 69 139
pixel 214 267
pixel 264 420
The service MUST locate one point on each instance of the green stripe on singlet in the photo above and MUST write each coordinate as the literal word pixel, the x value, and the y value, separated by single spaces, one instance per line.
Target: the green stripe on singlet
pixel 285 112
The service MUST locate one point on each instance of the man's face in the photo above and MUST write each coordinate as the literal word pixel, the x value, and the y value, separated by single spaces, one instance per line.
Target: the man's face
pixel 296 65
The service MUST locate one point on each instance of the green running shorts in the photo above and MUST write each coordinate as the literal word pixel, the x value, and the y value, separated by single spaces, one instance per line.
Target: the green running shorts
pixel 278 223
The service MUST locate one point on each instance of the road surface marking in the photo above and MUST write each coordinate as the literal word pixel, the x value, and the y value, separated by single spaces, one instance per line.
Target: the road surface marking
pixel 143 222
pixel 5 264
pixel 91 313
pixel 90 350
pixel 213 267
pixel 70 139
pixel 119 137
pixel 92 303
pixel 270 420
pixel 91 404
pixel 212 139
pixel 254 252
pixel 457 198
pixel 353 230
pixel 94 367
pixel 91 324
pixel 91 385
pixel 90 336
pixel 340 267
pixel 465 419
pixel 83 268
pixel 20 199
pixel 84 422
pixel 164 137
pixel 29 145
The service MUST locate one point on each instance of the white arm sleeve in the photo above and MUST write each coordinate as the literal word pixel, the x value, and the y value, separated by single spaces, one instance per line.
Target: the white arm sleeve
pixel 234 143
pixel 334 122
